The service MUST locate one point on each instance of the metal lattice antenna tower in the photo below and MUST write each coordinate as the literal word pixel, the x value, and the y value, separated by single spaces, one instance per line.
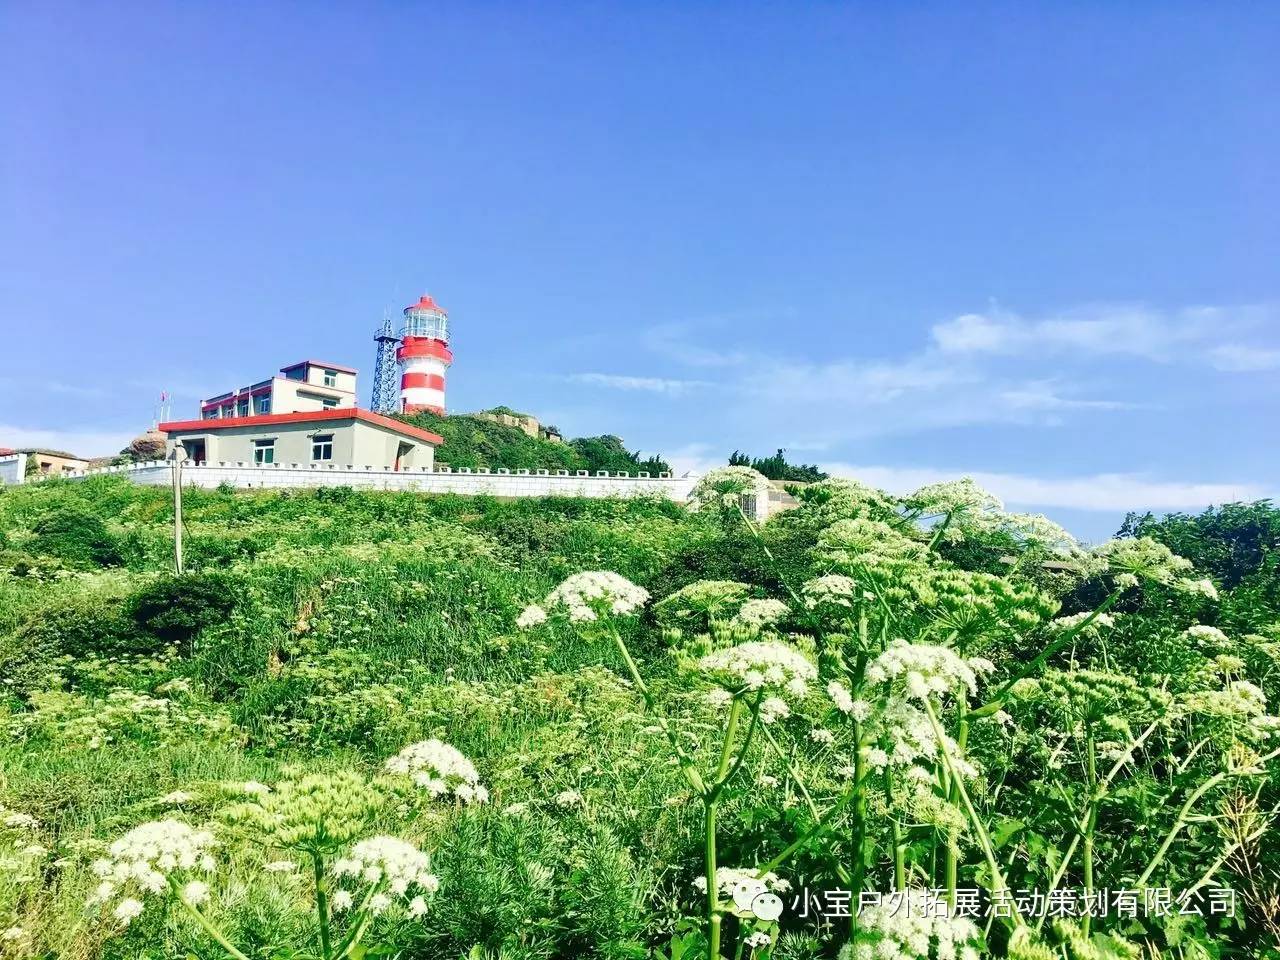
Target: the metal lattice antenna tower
pixel 386 382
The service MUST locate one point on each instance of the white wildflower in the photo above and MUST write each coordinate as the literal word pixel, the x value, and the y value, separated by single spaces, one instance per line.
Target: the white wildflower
pixel 840 696
pixel 719 698
pixel 391 867
pixel 126 910
pixel 142 861
pixel 439 769
pixel 569 798
pixel 774 708
pixel 726 486
pixel 833 589
pixel 758 614
pixel 1204 588
pixel 761 665
pixel 195 892
pixel 585 596
pixel 530 616
pixel 1206 636
pixel 922 669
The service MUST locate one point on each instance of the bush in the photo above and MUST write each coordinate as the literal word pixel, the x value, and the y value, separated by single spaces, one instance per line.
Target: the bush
pixel 77 626
pixel 77 536
pixel 174 610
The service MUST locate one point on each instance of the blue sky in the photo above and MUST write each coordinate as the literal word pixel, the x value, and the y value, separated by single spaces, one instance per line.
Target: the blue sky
pixel 1037 243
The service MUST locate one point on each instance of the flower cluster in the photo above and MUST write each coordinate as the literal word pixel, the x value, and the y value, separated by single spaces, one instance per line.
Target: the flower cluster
pixel 761 665
pixel 904 736
pixel 726 486
pixel 1099 622
pixel 758 614
pixel 839 498
pixel 952 497
pixel 587 596
pixel 1133 560
pixel 147 860
pixel 388 869
pixel 440 769
pixel 314 813
pixel 908 926
pixel 844 702
pixel 922 670
pixel 832 590
pixel 1207 637
pixel 701 601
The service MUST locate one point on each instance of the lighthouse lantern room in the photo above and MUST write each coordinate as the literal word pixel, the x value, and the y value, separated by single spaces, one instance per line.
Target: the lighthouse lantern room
pixel 424 357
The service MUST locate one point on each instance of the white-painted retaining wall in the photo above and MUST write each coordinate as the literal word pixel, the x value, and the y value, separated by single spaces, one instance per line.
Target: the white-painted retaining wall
pixel 498 483
pixel 13 469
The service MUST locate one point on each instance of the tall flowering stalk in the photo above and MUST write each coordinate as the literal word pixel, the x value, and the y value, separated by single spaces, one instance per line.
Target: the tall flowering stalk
pixel 318 817
pixel 754 683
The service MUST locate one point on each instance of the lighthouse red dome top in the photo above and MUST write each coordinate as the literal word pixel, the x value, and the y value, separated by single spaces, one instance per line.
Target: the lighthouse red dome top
pixel 425 304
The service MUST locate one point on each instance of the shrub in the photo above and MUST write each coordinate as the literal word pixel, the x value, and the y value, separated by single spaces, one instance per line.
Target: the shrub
pixel 76 535
pixel 175 609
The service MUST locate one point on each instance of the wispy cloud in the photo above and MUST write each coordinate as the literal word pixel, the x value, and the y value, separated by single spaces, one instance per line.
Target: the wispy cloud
pixel 1112 492
pixel 1238 358
pixel 649 384
pixel 674 341
pixel 1045 395
pixel 1122 329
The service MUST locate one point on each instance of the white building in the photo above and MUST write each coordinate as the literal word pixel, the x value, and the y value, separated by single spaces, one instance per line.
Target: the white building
pixel 317 438
pixel 305 386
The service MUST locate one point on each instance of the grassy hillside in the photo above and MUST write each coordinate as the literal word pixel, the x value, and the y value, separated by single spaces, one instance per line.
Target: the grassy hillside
pixel 1109 735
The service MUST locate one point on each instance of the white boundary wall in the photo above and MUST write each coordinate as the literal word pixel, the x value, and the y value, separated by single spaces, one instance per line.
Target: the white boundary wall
pixel 440 479
pixel 13 469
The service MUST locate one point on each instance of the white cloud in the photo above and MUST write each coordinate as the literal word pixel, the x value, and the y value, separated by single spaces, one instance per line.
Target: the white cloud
pixel 1041 395
pixel 650 384
pixel 1238 358
pixel 83 442
pixel 1125 329
pixel 1115 492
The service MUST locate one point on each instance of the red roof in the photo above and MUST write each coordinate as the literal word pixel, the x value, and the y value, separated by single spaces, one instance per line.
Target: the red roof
pixel 271 419
pixel 426 303
pixel 320 363
pixel 6 452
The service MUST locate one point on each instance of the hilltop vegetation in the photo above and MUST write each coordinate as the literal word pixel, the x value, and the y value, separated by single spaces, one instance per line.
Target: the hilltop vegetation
pixel 624 729
pixel 470 441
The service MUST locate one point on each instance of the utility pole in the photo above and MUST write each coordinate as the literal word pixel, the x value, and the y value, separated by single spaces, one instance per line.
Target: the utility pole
pixel 178 455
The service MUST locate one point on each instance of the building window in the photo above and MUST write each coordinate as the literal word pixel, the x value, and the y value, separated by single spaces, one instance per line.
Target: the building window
pixel 243 408
pixel 211 414
pixel 262 404
pixel 331 378
pixel 264 451
pixel 329 403
pixel 322 446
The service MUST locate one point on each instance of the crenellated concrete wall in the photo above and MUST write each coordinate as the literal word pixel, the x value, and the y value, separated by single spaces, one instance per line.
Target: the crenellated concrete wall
pixel 13 469
pixel 498 483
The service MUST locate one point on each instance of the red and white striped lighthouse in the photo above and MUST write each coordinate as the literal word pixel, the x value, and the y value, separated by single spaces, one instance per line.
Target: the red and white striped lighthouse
pixel 424 357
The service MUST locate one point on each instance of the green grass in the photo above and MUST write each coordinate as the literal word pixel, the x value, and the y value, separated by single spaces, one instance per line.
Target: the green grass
pixel 356 623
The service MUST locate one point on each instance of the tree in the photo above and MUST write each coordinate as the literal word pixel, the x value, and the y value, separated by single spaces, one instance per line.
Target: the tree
pixel 777 467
